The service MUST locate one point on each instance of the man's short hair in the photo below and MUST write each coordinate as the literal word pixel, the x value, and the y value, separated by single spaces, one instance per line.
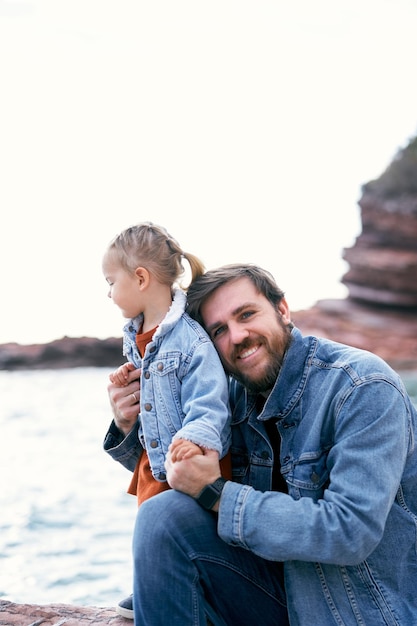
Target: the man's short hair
pixel 206 284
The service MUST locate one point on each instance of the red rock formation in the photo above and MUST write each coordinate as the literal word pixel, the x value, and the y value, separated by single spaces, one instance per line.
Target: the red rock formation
pixel 383 260
pixel 65 352
pixel 391 334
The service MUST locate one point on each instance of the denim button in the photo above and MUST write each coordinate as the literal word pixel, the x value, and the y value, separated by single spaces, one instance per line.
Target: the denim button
pixel 154 443
pixel 314 477
pixel 147 375
pixel 162 476
pixel 160 367
pixel 148 407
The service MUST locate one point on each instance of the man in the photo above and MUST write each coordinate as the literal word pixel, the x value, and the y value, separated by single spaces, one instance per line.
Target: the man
pixel 324 490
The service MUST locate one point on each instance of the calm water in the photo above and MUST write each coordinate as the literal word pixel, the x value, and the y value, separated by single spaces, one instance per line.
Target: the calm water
pixel 65 519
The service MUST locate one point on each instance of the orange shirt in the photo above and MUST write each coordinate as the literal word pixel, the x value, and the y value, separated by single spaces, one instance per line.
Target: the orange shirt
pixel 143 484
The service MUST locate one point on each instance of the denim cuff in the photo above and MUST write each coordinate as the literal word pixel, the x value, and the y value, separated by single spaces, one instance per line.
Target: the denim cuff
pixel 123 449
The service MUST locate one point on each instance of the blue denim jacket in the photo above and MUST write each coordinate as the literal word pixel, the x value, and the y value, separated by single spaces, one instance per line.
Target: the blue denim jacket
pixel 183 391
pixel 347 530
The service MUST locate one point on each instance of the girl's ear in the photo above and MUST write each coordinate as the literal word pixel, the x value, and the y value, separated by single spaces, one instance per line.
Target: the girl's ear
pixel 142 276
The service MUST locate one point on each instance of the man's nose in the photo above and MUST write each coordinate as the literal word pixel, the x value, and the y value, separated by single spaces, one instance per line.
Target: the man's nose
pixel 237 333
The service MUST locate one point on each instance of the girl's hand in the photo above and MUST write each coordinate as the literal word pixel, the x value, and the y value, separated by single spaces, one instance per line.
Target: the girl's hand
pixel 121 375
pixel 124 402
pixel 192 475
pixel 183 449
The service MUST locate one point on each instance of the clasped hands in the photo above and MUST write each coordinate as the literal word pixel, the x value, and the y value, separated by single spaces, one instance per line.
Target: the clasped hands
pixel 189 468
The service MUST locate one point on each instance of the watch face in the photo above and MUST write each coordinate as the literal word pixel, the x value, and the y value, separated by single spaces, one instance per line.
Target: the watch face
pixel 210 494
pixel 208 497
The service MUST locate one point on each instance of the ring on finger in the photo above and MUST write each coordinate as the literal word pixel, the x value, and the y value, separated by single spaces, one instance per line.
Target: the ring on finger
pixel 134 397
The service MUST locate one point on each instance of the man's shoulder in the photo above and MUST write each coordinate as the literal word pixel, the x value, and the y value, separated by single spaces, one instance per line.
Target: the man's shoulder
pixel 333 354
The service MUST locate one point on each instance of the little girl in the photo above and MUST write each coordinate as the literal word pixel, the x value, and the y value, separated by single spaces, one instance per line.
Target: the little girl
pixel 183 387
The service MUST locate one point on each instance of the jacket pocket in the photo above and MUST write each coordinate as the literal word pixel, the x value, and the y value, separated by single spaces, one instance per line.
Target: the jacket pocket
pixel 308 476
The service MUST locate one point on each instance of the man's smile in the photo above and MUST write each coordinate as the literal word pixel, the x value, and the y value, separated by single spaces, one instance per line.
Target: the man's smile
pixel 246 353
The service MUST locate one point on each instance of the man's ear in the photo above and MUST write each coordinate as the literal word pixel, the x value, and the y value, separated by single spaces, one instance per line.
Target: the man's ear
pixel 142 276
pixel 284 311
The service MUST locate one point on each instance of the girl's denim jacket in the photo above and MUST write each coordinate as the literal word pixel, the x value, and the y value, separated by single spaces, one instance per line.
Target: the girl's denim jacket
pixel 347 530
pixel 183 390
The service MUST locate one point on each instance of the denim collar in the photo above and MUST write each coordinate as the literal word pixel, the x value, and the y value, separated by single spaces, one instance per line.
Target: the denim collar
pixel 292 378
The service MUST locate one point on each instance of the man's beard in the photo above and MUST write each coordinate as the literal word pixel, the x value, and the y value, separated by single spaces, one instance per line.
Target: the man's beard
pixel 276 353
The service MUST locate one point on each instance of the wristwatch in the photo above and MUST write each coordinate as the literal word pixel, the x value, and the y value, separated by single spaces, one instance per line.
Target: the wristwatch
pixel 208 497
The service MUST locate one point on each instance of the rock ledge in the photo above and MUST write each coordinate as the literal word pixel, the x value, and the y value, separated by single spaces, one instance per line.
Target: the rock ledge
pixel 12 614
pixel 388 332
pixel 62 353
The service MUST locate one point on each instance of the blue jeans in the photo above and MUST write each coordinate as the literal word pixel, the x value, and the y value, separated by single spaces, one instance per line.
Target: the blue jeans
pixel 183 571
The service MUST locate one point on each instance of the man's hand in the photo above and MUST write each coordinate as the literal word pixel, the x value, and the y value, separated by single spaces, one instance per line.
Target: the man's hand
pixel 124 402
pixel 191 475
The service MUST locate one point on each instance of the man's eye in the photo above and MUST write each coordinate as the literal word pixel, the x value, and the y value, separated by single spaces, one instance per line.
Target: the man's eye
pixel 247 314
pixel 217 332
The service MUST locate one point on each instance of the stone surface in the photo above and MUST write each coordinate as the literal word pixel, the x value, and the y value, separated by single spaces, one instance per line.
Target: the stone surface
pixel 12 614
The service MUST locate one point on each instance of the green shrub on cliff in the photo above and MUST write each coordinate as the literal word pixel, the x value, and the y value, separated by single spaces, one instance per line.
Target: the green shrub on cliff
pixel 400 177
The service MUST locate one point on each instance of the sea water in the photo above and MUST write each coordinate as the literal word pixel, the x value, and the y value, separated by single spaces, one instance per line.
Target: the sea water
pixel 66 521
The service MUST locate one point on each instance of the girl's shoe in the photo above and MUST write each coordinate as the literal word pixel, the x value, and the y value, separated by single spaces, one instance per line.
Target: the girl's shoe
pixel 125 608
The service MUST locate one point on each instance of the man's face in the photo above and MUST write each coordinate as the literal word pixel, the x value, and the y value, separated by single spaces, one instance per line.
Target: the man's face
pixel 250 334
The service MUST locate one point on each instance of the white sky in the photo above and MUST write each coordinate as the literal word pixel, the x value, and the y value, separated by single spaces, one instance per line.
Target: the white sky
pixel 245 127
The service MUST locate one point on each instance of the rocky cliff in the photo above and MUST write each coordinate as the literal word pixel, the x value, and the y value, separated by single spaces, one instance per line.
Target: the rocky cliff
pixel 383 261
pixel 380 313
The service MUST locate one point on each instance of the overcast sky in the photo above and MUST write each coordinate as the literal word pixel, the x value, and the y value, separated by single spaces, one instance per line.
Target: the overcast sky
pixel 245 127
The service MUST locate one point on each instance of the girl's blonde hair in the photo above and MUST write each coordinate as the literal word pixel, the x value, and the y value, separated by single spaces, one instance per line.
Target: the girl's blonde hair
pixel 151 246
